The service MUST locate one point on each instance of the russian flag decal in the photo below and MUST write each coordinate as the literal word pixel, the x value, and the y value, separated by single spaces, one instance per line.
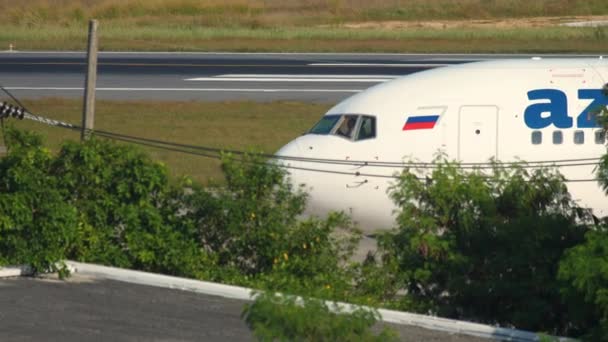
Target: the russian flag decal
pixel 420 122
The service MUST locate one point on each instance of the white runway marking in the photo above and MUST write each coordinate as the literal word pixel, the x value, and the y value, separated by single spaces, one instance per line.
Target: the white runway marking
pixel 248 90
pixel 293 78
pixel 399 65
pixel 303 76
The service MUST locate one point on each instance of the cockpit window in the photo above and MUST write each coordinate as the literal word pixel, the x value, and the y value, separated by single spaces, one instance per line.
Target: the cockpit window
pixel 326 124
pixel 367 130
pixel 349 126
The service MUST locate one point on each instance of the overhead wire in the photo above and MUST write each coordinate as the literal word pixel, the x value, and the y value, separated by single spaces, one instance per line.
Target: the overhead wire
pixel 177 147
pixel 464 165
pixel 361 163
pixel 215 153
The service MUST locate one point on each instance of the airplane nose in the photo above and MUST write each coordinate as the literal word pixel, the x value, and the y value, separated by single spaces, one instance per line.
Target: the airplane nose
pixel 284 159
pixel 292 149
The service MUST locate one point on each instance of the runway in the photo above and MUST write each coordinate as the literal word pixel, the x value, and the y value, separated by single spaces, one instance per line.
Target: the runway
pixel 325 78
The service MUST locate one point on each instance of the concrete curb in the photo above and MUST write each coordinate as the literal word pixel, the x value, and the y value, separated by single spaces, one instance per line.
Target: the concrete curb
pixel 241 293
pixel 457 327
pixel 159 280
pixel 14 271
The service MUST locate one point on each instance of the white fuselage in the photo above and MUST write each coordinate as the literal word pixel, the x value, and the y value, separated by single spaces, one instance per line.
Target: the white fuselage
pixel 485 110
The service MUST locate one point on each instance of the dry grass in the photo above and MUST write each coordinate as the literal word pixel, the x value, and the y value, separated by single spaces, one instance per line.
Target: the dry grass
pixel 229 125
pixel 324 39
pixel 274 13
pixel 308 25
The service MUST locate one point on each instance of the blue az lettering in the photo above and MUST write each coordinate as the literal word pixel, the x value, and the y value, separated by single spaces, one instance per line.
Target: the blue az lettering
pixel 554 111
pixel 588 117
pixel 557 108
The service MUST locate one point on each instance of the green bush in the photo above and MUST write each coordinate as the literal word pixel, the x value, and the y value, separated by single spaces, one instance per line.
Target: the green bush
pixel 250 224
pixel 244 221
pixel 111 204
pixel 584 268
pixel 96 202
pixel 37 226
pixel 284 318
pixel 316 261
pixel 585 271
pixel 485 246
pixel 104 182
pixel 128 216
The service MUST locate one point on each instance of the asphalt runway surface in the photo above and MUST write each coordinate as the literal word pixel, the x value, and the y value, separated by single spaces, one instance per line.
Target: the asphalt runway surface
pixel 324 78
pixel 89 309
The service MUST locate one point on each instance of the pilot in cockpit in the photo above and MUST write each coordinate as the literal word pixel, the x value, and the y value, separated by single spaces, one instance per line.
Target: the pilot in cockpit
pixel 347 126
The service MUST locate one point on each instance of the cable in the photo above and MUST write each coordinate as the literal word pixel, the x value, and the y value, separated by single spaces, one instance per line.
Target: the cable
pixel 355 163
pixel 143 143
pixel 9 111
pixel 4 135
pixel 361 163
pixel 13 97
pixel 147 143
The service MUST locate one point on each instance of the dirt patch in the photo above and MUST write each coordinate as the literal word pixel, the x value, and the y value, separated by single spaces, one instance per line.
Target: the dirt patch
pixel 506 23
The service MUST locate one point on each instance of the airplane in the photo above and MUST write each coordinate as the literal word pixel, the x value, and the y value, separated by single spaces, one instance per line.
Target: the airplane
pixel 535 110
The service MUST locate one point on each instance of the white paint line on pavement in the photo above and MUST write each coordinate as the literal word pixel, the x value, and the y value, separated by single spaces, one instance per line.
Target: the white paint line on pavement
pixel 238 90
pixel 303 76
pixel 287 79
pixel 394 65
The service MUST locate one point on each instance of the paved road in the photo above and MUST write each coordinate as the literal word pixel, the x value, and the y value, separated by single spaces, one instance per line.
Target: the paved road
pixel 89 309
pixel 214 76
pixel 94 310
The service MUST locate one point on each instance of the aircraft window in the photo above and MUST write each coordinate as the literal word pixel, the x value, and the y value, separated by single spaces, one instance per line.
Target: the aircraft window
pixel 367 129
pixel 579 137
pixel 325 125
pixel 347 126
pixel 600 136
pixel 537 137
pixel 558 137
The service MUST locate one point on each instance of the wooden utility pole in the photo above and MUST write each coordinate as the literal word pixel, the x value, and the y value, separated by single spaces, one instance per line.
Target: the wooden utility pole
pixel 88 113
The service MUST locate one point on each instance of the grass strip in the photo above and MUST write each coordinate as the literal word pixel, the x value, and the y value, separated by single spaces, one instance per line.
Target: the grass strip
pixel 281 13
pixel 307 25
pixel 115 35
pixel 241 125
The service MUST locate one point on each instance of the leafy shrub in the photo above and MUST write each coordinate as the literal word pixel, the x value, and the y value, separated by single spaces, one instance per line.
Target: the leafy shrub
pixel 274 317
pixel 37 226
pixel 127 213
pixel 316 261
pixel 244 221
pixel 251 226
pixel 585 269
pixel 485 246
pixel 115 206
